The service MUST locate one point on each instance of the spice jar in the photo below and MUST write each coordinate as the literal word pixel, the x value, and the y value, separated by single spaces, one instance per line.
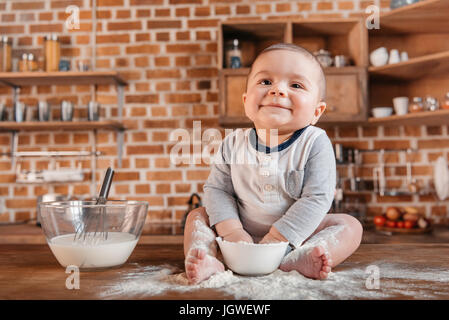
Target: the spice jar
pixel 32 64
pixel 445 104
pixel 52 53
pixel 416 105
pixel 23 64
pixel 431 104
pixel 5 54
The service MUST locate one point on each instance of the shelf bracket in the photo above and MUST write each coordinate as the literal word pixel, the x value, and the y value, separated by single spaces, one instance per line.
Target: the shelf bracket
pixel 120 142
pixel 121 100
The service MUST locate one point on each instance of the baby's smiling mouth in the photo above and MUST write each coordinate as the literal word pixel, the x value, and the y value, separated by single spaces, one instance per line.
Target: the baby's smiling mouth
pixel 274 105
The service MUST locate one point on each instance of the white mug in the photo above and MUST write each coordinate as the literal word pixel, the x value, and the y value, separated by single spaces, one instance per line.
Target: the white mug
pixel 400 105
pixel 394 56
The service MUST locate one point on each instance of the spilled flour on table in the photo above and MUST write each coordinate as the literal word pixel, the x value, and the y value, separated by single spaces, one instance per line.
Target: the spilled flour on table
pixel 348 282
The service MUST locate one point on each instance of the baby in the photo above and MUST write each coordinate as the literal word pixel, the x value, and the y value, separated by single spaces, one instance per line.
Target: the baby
pixel 275 182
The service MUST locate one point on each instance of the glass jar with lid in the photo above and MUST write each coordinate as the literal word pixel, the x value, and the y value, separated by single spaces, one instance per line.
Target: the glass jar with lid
pixel 5 54
pixel 431 103
pixel 233 54
pixel 416 105
pixel 445 104
pixel 52 53
pixel 32 63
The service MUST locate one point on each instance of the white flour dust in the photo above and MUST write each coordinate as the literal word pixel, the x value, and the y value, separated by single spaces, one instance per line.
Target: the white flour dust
pixel 324 238
pixel 348 282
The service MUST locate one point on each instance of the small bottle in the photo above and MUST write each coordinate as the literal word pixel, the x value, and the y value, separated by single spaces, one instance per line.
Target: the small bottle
pixel 445 104
pixel 416 105
pixel 234 55
pixel 5 54
pixel 23 64
pixel 52 53
pixel 32 64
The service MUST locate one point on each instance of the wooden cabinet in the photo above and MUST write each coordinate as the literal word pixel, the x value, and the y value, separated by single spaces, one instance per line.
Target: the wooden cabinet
pixel 420 29
pixel 345 95
pixel 346 86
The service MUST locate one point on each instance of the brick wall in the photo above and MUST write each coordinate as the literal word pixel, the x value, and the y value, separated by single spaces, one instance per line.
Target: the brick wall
pixel 166 50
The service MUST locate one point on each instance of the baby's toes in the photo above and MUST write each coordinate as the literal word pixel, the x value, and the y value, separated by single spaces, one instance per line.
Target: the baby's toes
pixel 323 275
pixel 326 269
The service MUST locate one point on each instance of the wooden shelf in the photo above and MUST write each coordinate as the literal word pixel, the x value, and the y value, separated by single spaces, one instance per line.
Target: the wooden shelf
pixel 429 16
pixel 19 79
pixel 60 126
pixel 414 68
pixel 438 117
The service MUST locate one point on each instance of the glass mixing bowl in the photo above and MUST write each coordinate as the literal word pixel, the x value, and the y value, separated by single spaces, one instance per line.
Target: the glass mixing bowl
pixel 92 236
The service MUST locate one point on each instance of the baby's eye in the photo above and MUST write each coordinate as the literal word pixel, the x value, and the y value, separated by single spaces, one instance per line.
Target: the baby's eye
pixel 265 82
pixel 297 86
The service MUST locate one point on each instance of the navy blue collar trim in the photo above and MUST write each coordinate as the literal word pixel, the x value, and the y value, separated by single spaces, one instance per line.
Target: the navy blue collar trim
pixel 254 140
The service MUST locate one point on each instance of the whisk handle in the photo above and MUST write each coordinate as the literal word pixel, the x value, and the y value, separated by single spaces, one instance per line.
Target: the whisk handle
pixel 104 192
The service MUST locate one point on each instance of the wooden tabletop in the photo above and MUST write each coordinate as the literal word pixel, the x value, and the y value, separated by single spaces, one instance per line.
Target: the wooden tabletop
pixel 31 272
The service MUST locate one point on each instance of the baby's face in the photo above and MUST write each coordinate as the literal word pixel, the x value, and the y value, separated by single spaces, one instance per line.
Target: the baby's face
pixel 283 91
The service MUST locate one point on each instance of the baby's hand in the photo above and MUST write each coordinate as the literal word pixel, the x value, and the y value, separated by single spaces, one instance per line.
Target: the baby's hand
pixel 232 230
pixel 273 236
pixel 237 235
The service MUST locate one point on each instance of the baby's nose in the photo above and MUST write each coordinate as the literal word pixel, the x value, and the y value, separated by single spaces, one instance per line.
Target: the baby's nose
pixel 277 91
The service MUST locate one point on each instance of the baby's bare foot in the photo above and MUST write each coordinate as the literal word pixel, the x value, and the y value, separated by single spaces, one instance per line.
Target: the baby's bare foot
pixel 200 266
pixel 315 264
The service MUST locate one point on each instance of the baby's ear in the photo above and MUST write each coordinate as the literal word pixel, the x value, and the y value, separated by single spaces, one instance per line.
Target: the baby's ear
pixel 319 110
pixel 244 98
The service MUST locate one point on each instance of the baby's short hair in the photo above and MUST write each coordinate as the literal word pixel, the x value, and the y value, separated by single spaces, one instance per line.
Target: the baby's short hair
pixel 306 53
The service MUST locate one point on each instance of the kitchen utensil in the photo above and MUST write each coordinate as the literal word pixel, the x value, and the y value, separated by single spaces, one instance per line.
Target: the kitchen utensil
pixel 252 259
pixel 43 111
pixel 61 219
pixel 93 111
pixel 324 57
pixel 20 110
pixel 394 56
pixel 379 57
pixel 340 61
pixel 66 110
pixel 441 178
pixel 101 232
pixel 381 112
pixel 400 105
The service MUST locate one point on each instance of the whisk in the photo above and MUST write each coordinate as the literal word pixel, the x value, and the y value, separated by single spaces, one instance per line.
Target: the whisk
pixel 101 228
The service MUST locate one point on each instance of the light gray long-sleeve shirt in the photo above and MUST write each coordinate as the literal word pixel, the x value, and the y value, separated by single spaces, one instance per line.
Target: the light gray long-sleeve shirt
pixel 290 186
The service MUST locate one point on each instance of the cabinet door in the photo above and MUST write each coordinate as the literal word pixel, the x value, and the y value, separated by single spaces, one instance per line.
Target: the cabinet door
pixel 232 87
pixel 345 96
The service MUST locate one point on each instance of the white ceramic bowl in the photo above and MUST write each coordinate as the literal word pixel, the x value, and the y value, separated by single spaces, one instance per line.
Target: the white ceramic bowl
pixel 252 259
pixel 381 112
